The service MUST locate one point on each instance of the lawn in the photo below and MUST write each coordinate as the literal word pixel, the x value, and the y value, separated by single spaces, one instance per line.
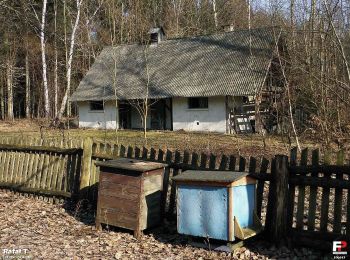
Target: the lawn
pixel 245 145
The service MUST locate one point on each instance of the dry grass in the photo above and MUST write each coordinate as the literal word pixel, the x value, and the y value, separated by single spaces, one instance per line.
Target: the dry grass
pixel 245 145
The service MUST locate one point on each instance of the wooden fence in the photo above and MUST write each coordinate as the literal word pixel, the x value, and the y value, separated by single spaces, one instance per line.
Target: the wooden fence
pixel 309 201
pixel 302 199
pixel 58 142
pixel 40 170
pixel 178 161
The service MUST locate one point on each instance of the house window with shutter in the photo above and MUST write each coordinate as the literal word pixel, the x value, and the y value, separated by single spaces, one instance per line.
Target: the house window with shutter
pixel 198 103
pixel 96 106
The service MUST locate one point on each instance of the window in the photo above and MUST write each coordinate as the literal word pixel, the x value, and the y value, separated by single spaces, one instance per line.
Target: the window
pixel 154 37
pixel 96 106
pixel 198 103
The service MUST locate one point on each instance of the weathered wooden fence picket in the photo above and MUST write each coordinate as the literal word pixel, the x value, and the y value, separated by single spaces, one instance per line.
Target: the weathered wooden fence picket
pixel 302 199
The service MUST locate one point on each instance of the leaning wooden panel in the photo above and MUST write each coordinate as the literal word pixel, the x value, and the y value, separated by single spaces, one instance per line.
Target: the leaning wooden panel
pixel 50 170
pixel 12 165
pixel 7 166
pixel 25 170
pixel 2 165
pixel 56 169
pixel 33 172
pixel 66 173
pixel 64 186
pixel 45 171
pixel 60 173
pixel 21 168
pixel 40 171
pixel 72 172
pixel 17 162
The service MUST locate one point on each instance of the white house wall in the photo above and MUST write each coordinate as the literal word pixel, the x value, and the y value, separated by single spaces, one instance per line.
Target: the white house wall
pixel 212 119
pixel 97 119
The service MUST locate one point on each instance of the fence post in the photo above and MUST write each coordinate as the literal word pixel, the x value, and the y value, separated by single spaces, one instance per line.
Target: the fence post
pixel 276 226
pixel 86 167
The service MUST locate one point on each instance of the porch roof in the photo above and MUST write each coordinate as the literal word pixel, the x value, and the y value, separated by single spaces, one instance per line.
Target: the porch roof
pixel 233 63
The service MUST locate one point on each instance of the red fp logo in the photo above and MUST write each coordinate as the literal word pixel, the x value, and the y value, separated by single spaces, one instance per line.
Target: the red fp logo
pixel 339 247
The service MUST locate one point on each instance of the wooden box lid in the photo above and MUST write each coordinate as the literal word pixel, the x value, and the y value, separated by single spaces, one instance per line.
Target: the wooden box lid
pixel 131 165
pixel 198 176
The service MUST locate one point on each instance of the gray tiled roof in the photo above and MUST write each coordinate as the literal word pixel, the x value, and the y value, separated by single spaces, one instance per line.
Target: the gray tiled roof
pixel 213 65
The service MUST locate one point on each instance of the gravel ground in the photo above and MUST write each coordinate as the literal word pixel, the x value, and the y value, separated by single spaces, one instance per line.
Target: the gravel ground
pixel 42 230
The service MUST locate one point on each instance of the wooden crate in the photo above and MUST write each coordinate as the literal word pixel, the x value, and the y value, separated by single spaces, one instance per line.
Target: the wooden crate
pixel 129 194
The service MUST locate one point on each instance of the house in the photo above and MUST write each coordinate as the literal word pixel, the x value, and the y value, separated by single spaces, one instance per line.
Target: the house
pixel 226 82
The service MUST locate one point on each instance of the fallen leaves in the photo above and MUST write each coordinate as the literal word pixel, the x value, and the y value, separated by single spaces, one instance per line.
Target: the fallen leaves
pixel 52 232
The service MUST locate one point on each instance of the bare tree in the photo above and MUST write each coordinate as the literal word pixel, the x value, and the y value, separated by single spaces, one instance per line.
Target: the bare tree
pixel 56 62
pixel 215 14
pixel 27 86
pixel 2 98
pixel 43 59
pixel 70 60
pixel 144 104
pixel 9 76
pixel 338 40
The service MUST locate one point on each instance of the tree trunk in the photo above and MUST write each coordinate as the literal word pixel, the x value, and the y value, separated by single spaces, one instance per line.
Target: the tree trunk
pixel 56 62
pixel 339 42
pixel 215 14
pixel 27 87
pixel 70 60
pixel 292 24
pixel 43 59
pixel 145 121
pixel 2 98
pixel 249 27
pixel 9 77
